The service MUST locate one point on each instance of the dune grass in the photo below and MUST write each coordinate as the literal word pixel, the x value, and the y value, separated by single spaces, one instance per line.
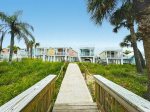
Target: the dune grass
pixel 124 75
pixel 18 76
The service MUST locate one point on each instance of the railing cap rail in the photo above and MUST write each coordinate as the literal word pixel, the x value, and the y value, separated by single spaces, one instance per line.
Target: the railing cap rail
pixel 132 99
pixel 20 101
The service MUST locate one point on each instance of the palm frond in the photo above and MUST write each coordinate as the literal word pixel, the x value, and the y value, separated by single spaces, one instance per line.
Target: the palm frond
pixel 101 9
pixel 124 14
pixel 3 16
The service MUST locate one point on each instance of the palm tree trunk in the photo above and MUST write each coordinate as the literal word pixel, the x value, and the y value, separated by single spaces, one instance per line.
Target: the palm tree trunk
pixel 31 49
pixel 146 42
pixel 1 47
pixel 28 51
pixel 135 49
pixel 1 41
pixel 140 6
pixel 35 52
pixel 11 47
pixel 143 12
pixel 142 59
pixel 144 27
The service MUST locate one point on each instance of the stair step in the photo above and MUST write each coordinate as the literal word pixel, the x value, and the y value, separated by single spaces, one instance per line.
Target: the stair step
pixel 87 107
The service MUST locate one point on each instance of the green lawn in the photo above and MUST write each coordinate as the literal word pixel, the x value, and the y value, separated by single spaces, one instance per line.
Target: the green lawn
pixel 18 76
pixel 124 75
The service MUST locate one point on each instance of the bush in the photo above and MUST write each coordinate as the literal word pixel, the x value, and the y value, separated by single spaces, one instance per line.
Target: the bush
pixel 18 76
pixel 124 75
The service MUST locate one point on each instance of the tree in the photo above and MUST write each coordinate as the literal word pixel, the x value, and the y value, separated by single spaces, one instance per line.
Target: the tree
pixel 127 52
pixel 142 10
pixel 128 43
pixel 102 9
pixel 35 46
pixel 125 17
pixel 17 29
pixel 30 45
pixel 3 33
pixel 15 49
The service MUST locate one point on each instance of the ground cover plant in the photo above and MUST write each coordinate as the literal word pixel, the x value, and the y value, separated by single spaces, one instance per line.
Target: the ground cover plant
pixel 18 76
pixel 124 75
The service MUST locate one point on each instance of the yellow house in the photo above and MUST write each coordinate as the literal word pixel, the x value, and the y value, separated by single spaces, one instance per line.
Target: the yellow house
pixel 51 52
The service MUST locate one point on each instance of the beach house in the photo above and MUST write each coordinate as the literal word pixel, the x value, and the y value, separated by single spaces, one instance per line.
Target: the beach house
pixel 87 54
pixel 112 56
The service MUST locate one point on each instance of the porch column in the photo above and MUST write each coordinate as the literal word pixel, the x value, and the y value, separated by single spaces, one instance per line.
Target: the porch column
pixel 48 58
pixel 65 54
pixel 121 61
pixel 107 60
pixel 93 59
pixel 44 54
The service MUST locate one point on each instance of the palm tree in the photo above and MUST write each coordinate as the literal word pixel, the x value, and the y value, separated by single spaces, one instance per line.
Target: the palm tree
pixel 102 9
pixel 15 49
pixel 125 17
pixel 27 43
pixel 3 33
pixel 128 43
pixel 142 9
pixel 17 29
pixel 3 17
pixel 30 45
pixel 127 52
pixel 35 46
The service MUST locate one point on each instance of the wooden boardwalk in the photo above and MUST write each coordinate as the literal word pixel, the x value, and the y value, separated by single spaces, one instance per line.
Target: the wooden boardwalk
pixel 74 95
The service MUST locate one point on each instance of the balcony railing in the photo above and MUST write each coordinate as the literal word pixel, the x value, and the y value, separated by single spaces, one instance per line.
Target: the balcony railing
pixel 86 54
pixel 60 53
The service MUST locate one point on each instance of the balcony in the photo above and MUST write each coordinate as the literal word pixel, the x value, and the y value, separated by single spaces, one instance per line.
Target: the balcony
pixel 86 54
pixel 113 56
pixel 60 53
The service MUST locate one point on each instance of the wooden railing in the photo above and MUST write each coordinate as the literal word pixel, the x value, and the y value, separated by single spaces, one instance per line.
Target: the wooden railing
pixel 86 71
pixel 111 97
pixel 61 72
pixel 38 98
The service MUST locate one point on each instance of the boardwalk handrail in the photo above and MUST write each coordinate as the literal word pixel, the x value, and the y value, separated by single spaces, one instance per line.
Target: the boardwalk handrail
pixel 111 97
pixel 37 98
pixel 86 71
pixel 61 71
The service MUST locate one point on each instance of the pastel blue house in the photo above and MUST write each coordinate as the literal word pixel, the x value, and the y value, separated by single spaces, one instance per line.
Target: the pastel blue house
pixel 86 54
pixel 129 60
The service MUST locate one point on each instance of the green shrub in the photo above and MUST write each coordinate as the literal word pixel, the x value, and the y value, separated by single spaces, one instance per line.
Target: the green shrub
pixel 18 76
pixel 124 75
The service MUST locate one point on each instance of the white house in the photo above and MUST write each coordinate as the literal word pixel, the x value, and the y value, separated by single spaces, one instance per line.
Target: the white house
pixel 87 54
pixel 112 56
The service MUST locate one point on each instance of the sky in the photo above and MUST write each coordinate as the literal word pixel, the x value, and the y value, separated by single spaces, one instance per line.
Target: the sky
pixel 63 23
